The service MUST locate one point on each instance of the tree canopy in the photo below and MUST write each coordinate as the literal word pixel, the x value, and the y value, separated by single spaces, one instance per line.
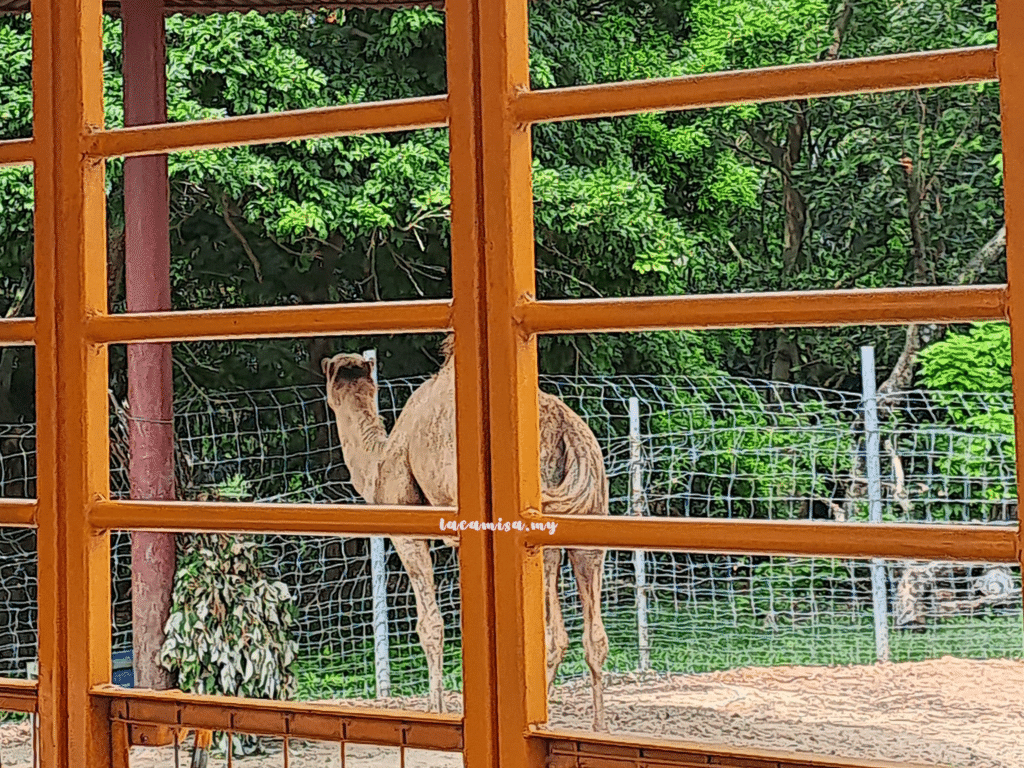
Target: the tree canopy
pixel 879 190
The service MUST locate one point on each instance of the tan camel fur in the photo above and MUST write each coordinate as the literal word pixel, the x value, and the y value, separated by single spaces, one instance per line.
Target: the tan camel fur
pixel 415 465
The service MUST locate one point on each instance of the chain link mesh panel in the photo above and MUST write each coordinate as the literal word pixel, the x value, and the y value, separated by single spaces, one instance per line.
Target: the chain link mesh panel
pixel 701 447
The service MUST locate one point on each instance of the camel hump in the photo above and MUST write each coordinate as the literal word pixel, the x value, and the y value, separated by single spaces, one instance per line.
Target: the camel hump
pixel 583 489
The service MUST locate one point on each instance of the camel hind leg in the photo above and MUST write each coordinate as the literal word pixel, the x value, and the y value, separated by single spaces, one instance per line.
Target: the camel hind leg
pixel 554 626
pixel 588 565
pixel 415 556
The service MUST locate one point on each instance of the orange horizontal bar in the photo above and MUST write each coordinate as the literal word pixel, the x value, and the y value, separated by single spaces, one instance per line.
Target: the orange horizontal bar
pixel 269 322
pixel 960 543
pixel 19 330
pixel 17 152
pixel 879 306
pixel 309 720
pixel 796 81
pixel 293 125
pixel 571 748
pixel 18 695
pixel 17 513
pixel 301 519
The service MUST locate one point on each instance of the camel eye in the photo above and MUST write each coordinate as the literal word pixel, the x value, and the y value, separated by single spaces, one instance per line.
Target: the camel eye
pixel 346 373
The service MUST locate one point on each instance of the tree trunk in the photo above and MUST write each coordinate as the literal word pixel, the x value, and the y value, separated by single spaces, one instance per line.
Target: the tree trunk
pixel 785 158
pixel 150 373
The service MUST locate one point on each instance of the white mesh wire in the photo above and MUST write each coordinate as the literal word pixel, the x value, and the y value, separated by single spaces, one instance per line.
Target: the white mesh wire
pixel 708 447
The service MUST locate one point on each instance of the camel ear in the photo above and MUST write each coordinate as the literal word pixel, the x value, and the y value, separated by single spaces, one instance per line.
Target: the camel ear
pixel 325 366
pixel 369 365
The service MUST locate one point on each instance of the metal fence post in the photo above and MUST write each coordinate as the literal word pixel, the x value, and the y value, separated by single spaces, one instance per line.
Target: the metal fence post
pixel 379 580
pixel 639 559
pixel 879 593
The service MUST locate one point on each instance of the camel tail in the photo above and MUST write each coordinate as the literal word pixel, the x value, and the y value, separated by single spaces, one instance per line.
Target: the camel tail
pixel 584 489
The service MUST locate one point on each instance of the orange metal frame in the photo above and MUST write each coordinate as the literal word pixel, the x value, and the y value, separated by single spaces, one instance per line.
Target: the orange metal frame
pixel 488 111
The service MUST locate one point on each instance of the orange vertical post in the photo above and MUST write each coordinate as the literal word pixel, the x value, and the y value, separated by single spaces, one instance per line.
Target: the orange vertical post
pixel 78 556
pixel 471 402
pixel 50 541
pixel 512 374
pixel 1010 67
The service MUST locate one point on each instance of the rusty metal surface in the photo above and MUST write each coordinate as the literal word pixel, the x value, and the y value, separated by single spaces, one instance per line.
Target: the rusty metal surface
pixel 577 749
pixel 714 89
pixel 1010 62
pixel 963 543
pixel 273 718
pixel 17 695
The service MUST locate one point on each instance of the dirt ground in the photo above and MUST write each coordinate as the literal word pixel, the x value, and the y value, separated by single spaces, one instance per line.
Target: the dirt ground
pixel 944 712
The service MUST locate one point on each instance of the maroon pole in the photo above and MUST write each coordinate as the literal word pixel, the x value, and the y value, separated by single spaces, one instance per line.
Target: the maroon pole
pixel 150 382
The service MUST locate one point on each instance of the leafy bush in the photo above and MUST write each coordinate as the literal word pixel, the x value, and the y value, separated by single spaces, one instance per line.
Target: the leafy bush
pixel 976 361
pixel 742 456
pixel 970 375
pixel 230 629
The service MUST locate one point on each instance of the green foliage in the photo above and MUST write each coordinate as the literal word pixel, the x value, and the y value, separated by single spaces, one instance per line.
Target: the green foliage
pixel 231 629
pixel 790 592
pixel 692 639
pixel 747 459
pixel 684 202
pixel 976 361
pixel 16 77
pixel 962 368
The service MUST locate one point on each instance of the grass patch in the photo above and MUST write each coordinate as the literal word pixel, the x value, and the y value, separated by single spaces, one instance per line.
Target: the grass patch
pixel 701 637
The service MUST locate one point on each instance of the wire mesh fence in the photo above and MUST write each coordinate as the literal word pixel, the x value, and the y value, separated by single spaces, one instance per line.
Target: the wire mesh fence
pixel 673 446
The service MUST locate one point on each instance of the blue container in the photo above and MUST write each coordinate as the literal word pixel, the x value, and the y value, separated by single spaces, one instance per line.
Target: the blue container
pixel 123 671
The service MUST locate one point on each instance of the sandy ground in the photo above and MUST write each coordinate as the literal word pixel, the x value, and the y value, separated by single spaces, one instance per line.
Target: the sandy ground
pixel 945 712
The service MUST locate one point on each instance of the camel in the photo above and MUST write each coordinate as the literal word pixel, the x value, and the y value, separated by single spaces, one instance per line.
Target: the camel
pixel 416 465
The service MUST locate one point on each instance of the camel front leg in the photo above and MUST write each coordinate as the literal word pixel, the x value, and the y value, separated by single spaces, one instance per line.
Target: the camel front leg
pixel 415 556
pixel 557 639
pixel 588 565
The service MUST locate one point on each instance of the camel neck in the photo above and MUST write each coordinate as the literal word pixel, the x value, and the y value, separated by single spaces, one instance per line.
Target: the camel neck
pixel 362 437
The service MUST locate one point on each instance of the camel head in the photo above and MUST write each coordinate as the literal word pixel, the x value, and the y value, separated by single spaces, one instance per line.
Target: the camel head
pixel 349 377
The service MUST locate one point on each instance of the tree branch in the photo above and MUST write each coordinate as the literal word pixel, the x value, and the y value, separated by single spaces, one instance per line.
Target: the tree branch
pixel 764 141
pixel 902 373
pixel 983 259
pixel 241 238
pixel 842 23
